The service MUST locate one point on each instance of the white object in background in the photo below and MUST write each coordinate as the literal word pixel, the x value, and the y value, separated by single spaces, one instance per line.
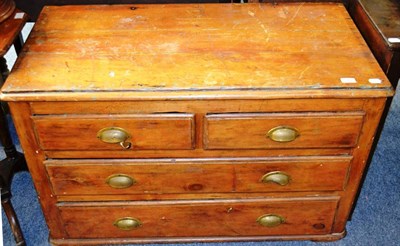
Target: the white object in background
pixel 19 15
pixel 11 56
pixel 348 80
pixel 375 81
pixel 394 40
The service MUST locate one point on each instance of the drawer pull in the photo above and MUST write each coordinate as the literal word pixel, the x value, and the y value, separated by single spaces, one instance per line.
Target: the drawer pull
pixel 120 181
pixel 270 220
pixel 283 134
pixel 276 177
pixel 127 223
pixel 115 135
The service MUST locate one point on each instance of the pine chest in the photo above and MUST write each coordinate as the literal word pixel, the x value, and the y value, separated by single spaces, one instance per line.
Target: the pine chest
pixel 197 122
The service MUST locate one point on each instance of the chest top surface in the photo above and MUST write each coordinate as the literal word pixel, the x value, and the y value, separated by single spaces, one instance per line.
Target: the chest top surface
pixel 309 49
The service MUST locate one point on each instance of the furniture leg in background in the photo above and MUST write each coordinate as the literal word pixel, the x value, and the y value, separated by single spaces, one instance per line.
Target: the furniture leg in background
pixel 10 30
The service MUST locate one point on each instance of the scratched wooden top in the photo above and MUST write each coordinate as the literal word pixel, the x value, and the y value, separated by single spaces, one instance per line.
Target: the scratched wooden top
pixel 193 49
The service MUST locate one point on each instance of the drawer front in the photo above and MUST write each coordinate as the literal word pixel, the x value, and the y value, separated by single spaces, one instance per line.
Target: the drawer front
pixel 282 130
pixel 115 132
pixel 200 218
pixel 110 177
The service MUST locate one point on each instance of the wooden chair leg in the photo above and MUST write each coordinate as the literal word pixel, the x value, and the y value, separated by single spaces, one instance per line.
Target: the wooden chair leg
pixel 13 220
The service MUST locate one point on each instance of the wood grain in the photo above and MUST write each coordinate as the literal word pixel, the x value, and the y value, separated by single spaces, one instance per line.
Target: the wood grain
pixel 197 87
pixel 249 131
pixel 156 131
pixel 193 196
pixel 85 177
pixel 212 218
pixel 143 240
pixel 198 48
pixel 199 153
pixel 361 159
pixel 198 106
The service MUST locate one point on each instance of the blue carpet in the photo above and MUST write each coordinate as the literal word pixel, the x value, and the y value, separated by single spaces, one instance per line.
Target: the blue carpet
pixel 376 219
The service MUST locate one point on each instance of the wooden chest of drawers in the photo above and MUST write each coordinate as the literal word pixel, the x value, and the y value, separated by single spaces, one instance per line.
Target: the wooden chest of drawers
pixel 178 123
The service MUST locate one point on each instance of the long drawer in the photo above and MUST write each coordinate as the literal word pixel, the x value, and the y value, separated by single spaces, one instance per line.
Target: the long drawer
pixel 200 218
pixel 108 177
pixel 282 130
pixel 115 132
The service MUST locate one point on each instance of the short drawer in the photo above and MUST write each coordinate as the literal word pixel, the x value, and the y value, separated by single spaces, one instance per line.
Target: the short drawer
pixel 111 177
pixel 252 217
pixel 115 132
pixel 282 130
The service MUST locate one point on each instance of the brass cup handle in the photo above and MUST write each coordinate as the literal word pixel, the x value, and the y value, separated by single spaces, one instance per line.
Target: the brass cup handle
pixel 127 223
pixel 270 220
pixel 120 181
pixel 276 177
pixel 283 134
pixel 115 135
